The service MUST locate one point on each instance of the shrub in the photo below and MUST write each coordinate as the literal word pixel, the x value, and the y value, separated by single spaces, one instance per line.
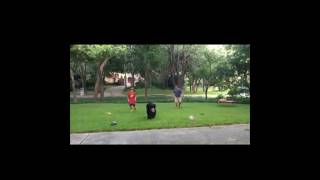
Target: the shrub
pixel 242 100
pixel 220 96
pixel 233 91
pixel 139 84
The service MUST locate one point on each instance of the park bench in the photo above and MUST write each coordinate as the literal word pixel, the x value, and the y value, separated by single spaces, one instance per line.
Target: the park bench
pixel 226 101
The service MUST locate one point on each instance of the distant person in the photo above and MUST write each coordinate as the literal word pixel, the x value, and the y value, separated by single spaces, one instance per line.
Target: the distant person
pixel 151 110
pixel 132 99
pixel 177 96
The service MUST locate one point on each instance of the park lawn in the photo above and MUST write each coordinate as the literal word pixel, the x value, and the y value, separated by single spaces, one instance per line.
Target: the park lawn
pixel 93 117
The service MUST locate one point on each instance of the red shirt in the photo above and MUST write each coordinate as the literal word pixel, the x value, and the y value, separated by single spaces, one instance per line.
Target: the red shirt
pixel 132 97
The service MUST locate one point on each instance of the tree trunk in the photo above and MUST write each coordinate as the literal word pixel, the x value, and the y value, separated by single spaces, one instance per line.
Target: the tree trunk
pixel 145 83
pixel 125 80
pixel 194 86
pixel 83 84
pixel 99 86
pixel 178 69
pixel 73 87
pixel 174 66
pixel 173 80
pixel 83 78
pixel 197 85
pixel 181 80
pixel 102 86
pixel 206 84
pixel 202 85
pixel 132 75
pixel 206 91
pixel 125 75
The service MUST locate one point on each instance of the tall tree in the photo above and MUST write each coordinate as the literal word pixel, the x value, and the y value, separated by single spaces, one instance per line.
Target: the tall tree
pixel 212 69
pixel 73 86
pixel 101 54
pixel 239 57
pixel 147 59
pixel 79 62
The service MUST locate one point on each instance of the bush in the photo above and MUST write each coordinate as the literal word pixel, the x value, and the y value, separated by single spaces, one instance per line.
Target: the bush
pixel 233 91
pixel 139 84
pixel 220 96
pixel 242 100
pixel 90 84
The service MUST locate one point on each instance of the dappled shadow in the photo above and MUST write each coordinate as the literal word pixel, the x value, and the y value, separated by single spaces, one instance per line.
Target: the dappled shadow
pixel 227 105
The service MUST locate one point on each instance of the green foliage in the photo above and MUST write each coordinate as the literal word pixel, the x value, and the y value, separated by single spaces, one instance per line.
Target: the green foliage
pixel 140 84
pixel 220 96
pixel 242 100
pixel 239 58
pixel 225 67
pixel 234 91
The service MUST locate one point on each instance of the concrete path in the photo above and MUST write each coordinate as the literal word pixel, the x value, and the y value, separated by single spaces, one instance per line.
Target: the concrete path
pixel 230 134
pixel 113 91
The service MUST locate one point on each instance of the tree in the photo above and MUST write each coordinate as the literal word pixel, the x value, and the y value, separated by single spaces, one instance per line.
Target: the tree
pixel 181 63
pixel 79 62
pixel 239 60
pixel 103 53
pixel 100 55
pixel 240 63
pixel 73 86
pixel 130 59
pixel 193 66
pixel 213 69
pixel 146 59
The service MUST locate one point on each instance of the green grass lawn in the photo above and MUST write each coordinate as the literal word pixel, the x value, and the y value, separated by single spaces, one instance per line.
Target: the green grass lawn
pixel 93 117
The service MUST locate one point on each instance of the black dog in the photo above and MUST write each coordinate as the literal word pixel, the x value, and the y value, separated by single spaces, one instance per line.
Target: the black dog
pixel 151 110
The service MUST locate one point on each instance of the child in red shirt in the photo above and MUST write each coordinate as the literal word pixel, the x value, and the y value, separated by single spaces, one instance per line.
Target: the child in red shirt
pixel 132 99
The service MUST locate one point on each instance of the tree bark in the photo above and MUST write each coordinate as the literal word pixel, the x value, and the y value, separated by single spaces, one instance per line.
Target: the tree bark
pixel 190 84
pixel 73 87
pixel 174 66
pixel 206 84
pixel 197 85
pixel 83 76
pixel 178 69
pixel 125 80
pixel 99 86
pixel 132 75
pixel 194 86
pixel 202 85
pixel 206 91
pixel 125 75
pixel 145 83
pixel 146 68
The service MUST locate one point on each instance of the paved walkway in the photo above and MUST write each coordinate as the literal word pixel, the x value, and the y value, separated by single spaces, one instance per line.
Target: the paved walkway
pixel 230 134
pixel 113 91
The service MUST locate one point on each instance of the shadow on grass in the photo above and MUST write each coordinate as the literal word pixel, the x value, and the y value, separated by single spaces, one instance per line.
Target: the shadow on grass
pixel 227 105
